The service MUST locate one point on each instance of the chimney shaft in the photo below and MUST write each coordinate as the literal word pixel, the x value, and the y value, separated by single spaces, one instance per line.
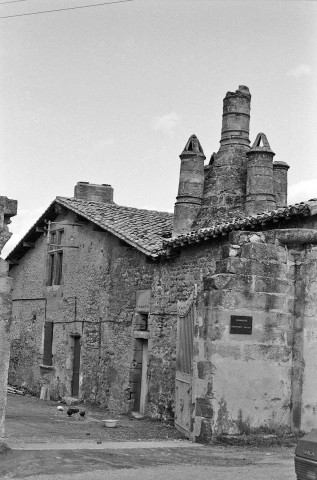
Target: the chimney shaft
pixel 236 118
pixel 280 183
pixel 259 194
pixel 94 193
pixel 224 193
pixel 191 186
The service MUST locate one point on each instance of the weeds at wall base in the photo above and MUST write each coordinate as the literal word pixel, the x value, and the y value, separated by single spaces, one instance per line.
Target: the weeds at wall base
pixel 282 439
pixel 4 448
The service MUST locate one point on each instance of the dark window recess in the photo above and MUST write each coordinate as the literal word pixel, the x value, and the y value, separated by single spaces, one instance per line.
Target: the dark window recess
pixel 51 268
pixel 58 268
pixel 48 343
pixel 143 321
pixel 76 367
pixel 55 258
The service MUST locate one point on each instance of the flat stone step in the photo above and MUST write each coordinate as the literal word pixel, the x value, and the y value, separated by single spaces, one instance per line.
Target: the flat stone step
pixel 137 415
pixel 70 400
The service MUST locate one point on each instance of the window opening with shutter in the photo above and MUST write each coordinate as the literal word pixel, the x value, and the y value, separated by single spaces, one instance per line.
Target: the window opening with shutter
pixel 55 258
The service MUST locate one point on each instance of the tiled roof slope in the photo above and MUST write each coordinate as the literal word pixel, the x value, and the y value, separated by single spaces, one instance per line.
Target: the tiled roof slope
pixel 143 229
pixel 146 229
pixel 263 220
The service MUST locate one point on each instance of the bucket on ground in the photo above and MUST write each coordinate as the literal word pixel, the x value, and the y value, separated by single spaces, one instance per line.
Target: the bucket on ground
pixel 110 423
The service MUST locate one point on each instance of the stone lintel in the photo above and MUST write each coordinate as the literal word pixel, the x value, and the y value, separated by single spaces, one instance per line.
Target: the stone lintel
pixel 47 367
pixel 141 334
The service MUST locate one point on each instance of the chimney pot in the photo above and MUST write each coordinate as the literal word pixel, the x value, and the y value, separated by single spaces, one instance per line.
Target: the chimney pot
pixel 259 189
pixel 280 183
pixel 190 188
pixel 93 192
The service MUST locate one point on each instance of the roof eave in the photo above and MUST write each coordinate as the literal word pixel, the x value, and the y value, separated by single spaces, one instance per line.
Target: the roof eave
pixel 302 209
pixel 32 235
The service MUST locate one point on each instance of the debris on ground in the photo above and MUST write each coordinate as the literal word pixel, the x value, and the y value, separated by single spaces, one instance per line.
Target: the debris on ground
pixel 14 390
pixel 74 409
pixel 70 400
pixel 43 421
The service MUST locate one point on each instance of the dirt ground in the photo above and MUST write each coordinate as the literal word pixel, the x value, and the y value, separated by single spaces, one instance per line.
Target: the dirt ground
pixel 46 444
pixel 29 419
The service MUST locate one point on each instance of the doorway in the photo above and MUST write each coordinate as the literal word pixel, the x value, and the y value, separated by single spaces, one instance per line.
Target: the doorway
pixel 138 375
pixel 184 365
pixel 76 366
pixel 143 386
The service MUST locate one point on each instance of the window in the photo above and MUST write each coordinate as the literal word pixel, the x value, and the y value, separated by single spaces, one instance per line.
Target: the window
pixel 48 342
pixel 55 258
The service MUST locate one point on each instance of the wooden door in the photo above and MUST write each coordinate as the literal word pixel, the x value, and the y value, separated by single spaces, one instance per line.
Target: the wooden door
pixel 76 367
pixel 143 392
pixel 184 361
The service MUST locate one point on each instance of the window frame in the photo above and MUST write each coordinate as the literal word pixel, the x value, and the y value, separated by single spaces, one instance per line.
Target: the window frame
pixel 55 258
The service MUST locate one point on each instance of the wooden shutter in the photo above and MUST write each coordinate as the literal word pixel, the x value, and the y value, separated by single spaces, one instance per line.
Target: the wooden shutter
pixel 48 342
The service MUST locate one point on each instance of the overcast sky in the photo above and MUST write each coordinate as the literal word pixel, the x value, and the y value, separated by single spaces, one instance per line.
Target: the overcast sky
pixel 111 94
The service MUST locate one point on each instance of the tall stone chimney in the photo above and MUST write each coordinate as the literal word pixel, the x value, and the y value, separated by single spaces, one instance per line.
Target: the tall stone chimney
pixel 259 194
pixel 280 183
pixel 94 193
pixel 236 118
pixel 225 185
pixel 191 186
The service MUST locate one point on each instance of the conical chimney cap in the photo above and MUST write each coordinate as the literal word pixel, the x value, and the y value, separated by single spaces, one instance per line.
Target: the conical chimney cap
pixel 261 144
pixel 193 147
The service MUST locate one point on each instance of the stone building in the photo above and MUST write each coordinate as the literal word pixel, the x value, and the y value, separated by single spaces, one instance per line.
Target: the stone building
pixel 207 316
pixel 8 208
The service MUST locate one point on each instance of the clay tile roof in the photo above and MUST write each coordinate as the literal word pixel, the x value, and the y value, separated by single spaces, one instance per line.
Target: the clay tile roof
pixel 260 220
pixel 143 229
pixel 148 230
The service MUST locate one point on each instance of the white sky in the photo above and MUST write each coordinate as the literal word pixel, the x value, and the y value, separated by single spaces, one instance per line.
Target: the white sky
pixel 111 94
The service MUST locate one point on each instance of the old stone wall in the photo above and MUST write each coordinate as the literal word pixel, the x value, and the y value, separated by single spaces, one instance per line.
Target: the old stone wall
pixel 245 381
pixel 240 382
pixel 29 312
pixel 8 208
pixel 305 347
pixel 173 281
pixel 97 302
pixel 5 323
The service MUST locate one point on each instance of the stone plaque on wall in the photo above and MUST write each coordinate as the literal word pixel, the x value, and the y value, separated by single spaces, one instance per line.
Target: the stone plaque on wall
pixel 143 301
pixel 241 325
